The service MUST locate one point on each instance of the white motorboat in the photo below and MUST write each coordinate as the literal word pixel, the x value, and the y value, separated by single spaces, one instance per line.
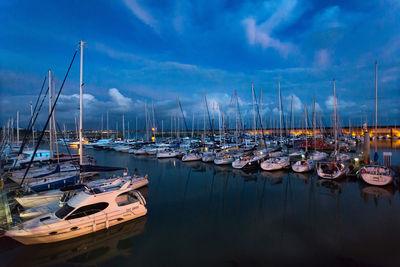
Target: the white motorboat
pixel 332 170
pixel 303 166
pixel 100 144
pixel 167 153
pixel 87 212
pixel 376 175
pixel 192 156
pixel 135 182
pixel 224 159
pixel 273 164
pixel 317 156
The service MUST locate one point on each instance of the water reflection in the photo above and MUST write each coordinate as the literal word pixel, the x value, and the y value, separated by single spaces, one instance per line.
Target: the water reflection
pixel 238 217
pixel 88 250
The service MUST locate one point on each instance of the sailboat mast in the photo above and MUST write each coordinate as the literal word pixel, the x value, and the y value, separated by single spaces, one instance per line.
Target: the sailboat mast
pixel 154 128
pixel 254 114
pixel 55 144
pixel 81 104
pixel 292 122
pixel 219 126
pixel 314 122
pixel 236 119
pixel 334 111
pixel 101 133
pixel 33 129
pixel 261 113
pixel 204 118
pixel 50 124
pixel 376 101
pixel 17 127
pixel 192 124
pixel 305 117
pixel 280 110
pixel 123 127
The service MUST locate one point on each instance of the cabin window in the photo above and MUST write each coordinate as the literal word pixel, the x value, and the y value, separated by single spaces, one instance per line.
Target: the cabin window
pixel 64 211
pixel 87 210
pixel 126 198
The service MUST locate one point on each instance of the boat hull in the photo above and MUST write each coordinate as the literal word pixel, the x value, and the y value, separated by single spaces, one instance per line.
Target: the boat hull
pixel 65 231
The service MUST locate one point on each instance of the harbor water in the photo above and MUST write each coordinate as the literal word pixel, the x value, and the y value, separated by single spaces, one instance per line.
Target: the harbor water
pixel 203 214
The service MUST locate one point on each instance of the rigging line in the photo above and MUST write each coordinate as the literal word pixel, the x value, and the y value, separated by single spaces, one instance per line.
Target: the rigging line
pixel 48 118
pixel 183 115
pixel 33 123
pixel 209 118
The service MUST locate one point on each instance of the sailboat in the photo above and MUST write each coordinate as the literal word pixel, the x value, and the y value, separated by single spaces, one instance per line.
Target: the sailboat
pixel 304 165
pixel 273 164
pixel 207 157
pixel 334 168
pixel 249 161
pixel 376 174
pixel 192 156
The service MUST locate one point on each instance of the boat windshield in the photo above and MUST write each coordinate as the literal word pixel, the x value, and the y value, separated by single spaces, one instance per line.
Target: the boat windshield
pixel 64 211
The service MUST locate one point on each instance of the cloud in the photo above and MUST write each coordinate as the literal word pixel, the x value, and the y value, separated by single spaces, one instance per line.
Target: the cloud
pixel 86 97
pixel 122 102
pixel 141 13
pixel 256 36
pixel 340 104
pixel 297 104
pixel 283 14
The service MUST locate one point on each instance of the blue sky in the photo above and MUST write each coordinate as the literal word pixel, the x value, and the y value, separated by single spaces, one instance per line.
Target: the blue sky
pixel 155 51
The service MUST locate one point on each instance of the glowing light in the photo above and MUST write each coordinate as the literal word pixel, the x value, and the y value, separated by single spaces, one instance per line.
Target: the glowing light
pixel 356 159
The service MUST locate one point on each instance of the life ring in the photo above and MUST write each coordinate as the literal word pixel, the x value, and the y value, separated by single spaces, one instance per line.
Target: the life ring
pixel 363 171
